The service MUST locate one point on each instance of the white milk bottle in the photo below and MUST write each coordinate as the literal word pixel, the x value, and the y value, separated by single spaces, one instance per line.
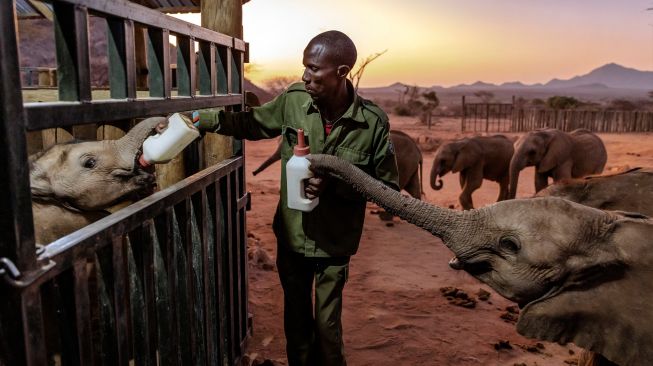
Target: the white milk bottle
pixel 161 148
pixel 296 171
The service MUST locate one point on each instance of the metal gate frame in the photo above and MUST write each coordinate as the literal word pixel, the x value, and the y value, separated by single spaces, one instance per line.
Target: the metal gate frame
pixel 163 281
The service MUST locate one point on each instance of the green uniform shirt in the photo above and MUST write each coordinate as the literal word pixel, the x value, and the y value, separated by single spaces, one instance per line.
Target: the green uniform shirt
pixel 360 136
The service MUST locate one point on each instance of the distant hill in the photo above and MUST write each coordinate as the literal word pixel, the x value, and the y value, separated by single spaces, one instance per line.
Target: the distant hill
pixel 610 75
pixel 607 82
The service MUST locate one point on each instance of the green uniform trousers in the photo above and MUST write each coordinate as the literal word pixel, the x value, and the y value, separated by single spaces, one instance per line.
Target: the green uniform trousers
pixel 313 333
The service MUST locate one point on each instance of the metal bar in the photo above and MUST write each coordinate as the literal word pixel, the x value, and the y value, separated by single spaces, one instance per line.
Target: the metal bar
pixel 60 114
pixel 17 240
pixel 154 18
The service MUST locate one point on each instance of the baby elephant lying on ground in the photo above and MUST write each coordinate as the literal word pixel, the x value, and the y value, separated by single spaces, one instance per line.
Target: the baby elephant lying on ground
pixel 73 183
pixel 579 274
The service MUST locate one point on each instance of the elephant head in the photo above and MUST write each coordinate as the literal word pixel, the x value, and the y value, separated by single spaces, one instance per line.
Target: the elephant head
pixel 579 274
pixel 448 158
pixel 92 175
pixel 543 148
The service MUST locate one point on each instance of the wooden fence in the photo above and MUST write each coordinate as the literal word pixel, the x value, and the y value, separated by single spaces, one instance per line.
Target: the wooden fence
pixel 569 120
pixel 505 117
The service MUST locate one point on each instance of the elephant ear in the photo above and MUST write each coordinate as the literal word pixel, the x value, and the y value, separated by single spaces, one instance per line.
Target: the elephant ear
pixel 605 305
pixel 558 150
pixel 466 157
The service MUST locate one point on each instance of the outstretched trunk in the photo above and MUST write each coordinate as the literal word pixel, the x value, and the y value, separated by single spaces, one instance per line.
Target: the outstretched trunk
pixel 130 144
pixel 516 166
pixel 435 171
pixel 449 225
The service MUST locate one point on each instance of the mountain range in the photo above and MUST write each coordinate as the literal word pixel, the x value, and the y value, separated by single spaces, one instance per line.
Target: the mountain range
pixel 610 75
pixel 607 82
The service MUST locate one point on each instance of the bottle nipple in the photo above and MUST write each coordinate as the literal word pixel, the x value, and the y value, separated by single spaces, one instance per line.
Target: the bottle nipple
pixel 301 149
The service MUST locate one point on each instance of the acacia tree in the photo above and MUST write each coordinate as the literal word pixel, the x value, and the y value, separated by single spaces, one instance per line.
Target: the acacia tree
pixel 355 76
pixel 432 102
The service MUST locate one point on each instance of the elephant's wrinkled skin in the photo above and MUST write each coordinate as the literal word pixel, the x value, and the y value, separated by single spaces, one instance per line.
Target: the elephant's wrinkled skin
pixel 476 158
pixel 630 191
pixel 409 162
pixel 557 154
pixel 579 274
pixel 73 183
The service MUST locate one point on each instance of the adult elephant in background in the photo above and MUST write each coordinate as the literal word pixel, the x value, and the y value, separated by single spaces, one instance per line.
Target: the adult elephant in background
pixel 579 274
pixel 409 162
pixel 476 158
pixel 557 154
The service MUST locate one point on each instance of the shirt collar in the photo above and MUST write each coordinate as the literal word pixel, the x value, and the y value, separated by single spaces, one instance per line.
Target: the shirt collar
pixel 354 111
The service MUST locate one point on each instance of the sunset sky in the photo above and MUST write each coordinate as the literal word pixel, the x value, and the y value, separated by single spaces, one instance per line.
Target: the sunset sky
pixel 448 42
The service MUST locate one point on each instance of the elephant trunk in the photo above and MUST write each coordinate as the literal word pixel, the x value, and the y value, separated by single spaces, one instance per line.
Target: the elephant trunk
pixel 130 144
pixel 449 225
pixel 435 171
pixel 269 161
pixel 516 166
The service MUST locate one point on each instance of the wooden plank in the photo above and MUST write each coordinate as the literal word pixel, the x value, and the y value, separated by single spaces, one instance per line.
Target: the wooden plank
pixel 121 299
pixel 185 66
pixel 122 58
pixel 158 62
pixel 181 229
pixel 83 312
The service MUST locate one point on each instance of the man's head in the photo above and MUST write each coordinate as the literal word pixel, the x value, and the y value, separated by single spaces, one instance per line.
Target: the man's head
pixel 328 59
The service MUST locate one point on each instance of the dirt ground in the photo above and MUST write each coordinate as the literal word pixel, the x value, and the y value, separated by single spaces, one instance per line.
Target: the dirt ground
pixel 394 310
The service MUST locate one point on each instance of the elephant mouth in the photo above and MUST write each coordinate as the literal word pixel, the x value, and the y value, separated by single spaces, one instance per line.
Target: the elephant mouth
pixel 475 269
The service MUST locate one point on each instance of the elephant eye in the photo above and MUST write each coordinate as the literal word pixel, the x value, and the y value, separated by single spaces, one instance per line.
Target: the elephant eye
pixel 89 163
pixel 509 244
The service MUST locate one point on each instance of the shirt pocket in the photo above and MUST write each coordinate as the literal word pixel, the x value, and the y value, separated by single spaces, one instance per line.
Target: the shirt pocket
pixel 359 158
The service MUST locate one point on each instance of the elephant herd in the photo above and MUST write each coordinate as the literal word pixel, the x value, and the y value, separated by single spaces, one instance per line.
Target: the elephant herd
pixel 554 153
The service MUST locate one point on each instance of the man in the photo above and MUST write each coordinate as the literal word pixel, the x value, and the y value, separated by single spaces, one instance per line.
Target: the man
pixel 315 247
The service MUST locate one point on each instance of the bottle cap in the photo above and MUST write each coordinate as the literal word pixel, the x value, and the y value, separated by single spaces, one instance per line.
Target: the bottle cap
pixel 301 149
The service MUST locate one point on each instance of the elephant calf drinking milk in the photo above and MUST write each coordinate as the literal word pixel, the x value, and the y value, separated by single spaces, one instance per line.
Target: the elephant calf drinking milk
pixel 557 154
pixel 579 274
pixel 72 184
pixel 476 158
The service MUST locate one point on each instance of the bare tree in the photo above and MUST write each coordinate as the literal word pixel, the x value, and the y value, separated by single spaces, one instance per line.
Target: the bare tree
pixel 356 76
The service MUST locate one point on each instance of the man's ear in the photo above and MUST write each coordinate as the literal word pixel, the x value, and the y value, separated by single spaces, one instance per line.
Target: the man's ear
pixel 343 71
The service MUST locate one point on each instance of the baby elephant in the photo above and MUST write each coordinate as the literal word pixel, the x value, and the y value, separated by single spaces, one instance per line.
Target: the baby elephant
pixel 73 183
pixel 476 158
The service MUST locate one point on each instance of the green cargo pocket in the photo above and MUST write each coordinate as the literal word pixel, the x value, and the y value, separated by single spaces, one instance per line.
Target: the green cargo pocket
pixel 362 159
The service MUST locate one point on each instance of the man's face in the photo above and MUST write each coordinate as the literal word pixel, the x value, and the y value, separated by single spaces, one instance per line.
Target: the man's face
pixel 320 72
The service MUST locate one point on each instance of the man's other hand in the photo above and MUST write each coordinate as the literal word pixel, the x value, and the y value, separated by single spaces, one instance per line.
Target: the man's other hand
pixel 314 186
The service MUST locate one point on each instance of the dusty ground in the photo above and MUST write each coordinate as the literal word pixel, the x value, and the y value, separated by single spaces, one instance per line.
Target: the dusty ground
pixel 394 312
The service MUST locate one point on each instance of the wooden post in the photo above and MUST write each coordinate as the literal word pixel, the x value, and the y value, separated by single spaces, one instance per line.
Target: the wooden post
pixel 462 125
pixel 224 16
